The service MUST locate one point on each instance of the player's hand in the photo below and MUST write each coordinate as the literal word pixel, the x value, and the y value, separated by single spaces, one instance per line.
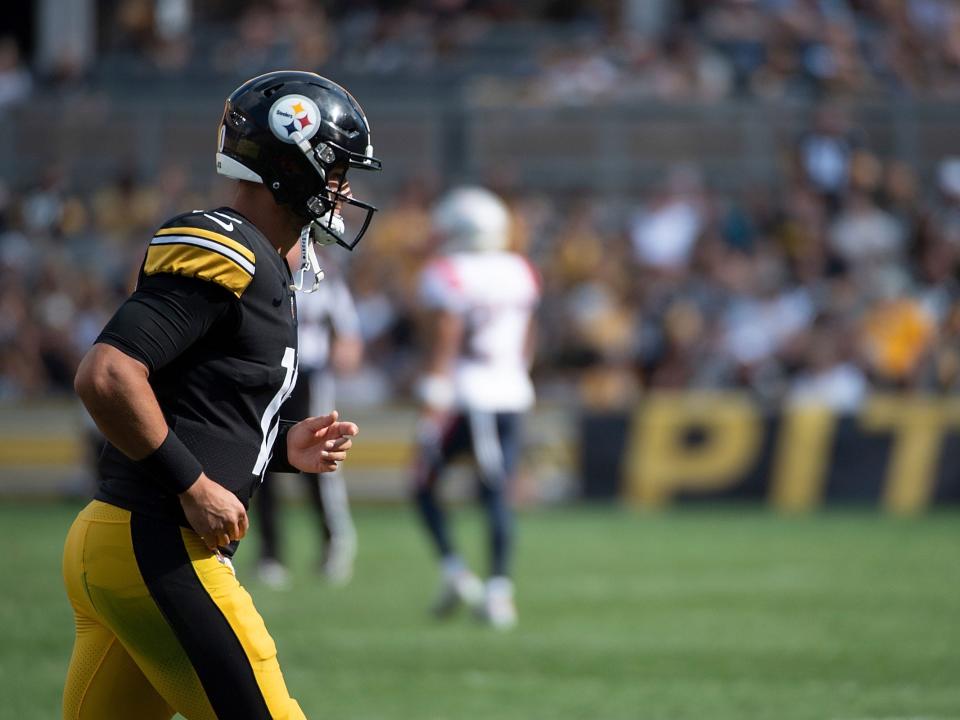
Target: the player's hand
pixel 431 425
pixel 318 444
pixel 214 512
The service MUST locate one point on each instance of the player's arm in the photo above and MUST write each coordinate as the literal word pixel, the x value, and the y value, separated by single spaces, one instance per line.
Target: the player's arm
pixel 115 390
pixel 157 323
pixel 443 322
pixel 446 335
pixel 435 389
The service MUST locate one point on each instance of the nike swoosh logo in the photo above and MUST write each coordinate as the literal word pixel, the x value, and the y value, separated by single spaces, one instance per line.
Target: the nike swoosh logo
pixel 226 226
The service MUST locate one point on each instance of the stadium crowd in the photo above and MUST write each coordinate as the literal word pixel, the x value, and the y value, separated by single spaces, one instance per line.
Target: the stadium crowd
pixel 567 50
pixel 844 279
pixel 840 278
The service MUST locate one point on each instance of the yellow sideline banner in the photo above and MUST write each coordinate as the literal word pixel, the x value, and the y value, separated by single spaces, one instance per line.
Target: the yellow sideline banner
pixel 898 452
pixel 901 452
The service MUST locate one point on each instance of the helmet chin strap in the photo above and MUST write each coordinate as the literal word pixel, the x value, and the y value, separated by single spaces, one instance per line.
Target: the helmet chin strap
pixel 325 230
pixel 308 263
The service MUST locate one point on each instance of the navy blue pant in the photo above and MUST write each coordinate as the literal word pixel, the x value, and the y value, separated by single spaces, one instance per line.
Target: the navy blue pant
pixel 493 441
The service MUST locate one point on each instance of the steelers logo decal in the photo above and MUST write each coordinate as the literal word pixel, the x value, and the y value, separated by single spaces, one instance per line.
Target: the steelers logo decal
pixel 294 114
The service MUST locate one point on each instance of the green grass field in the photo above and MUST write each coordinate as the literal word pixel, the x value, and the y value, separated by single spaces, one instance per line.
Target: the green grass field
pixel 686 615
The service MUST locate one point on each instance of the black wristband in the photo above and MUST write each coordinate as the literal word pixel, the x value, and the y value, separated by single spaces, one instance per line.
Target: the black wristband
pixel 279 461
pixel 172 464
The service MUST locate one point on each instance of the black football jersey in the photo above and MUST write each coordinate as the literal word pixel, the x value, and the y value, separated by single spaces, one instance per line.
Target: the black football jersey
pixel 214 319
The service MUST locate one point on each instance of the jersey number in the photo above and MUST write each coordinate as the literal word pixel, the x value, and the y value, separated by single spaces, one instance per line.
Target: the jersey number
pixel 267 426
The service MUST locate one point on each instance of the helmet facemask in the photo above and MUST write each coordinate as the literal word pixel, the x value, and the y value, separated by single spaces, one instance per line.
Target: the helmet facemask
pixel 333 213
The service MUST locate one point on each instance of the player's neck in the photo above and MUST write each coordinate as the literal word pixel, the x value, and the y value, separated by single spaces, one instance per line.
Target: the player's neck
pixel 256 203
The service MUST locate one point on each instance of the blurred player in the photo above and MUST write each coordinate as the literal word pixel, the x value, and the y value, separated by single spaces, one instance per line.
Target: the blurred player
pixel 479 298
pixel 186 382
pixel 329 330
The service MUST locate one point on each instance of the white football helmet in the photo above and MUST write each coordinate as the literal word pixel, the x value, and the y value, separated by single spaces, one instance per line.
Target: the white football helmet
pixel 472 219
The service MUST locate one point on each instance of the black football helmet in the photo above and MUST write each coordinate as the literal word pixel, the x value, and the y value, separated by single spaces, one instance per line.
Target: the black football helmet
pixel 299 133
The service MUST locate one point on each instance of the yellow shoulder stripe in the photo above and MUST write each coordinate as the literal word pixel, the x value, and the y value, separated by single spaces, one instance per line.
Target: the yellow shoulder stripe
pixel 211 235
pixel 198 262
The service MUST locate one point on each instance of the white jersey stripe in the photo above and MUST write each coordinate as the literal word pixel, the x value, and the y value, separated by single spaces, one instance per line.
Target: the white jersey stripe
pixel 208 244
pixel 486 447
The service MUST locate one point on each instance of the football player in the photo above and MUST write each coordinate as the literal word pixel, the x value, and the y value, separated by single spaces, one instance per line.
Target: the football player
pixel 480 299
pixel 186 381
pixel 329 340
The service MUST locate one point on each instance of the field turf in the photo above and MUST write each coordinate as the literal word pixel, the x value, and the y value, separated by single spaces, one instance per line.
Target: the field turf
pixel 699 614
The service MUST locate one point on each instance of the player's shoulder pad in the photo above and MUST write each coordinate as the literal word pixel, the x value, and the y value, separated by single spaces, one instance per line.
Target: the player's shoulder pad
pixel 205 244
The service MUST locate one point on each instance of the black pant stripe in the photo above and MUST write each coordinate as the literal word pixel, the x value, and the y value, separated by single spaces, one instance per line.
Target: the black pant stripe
pixel 200 626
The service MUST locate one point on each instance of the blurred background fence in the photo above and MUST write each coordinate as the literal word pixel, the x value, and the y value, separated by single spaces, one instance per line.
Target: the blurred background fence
pixel 447 135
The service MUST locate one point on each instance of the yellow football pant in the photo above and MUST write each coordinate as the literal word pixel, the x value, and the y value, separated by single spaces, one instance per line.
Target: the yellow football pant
pixel 163 627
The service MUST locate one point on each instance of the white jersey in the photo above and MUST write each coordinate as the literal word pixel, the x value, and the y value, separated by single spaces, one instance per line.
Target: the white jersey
pixel 495 293
pixel 329 309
